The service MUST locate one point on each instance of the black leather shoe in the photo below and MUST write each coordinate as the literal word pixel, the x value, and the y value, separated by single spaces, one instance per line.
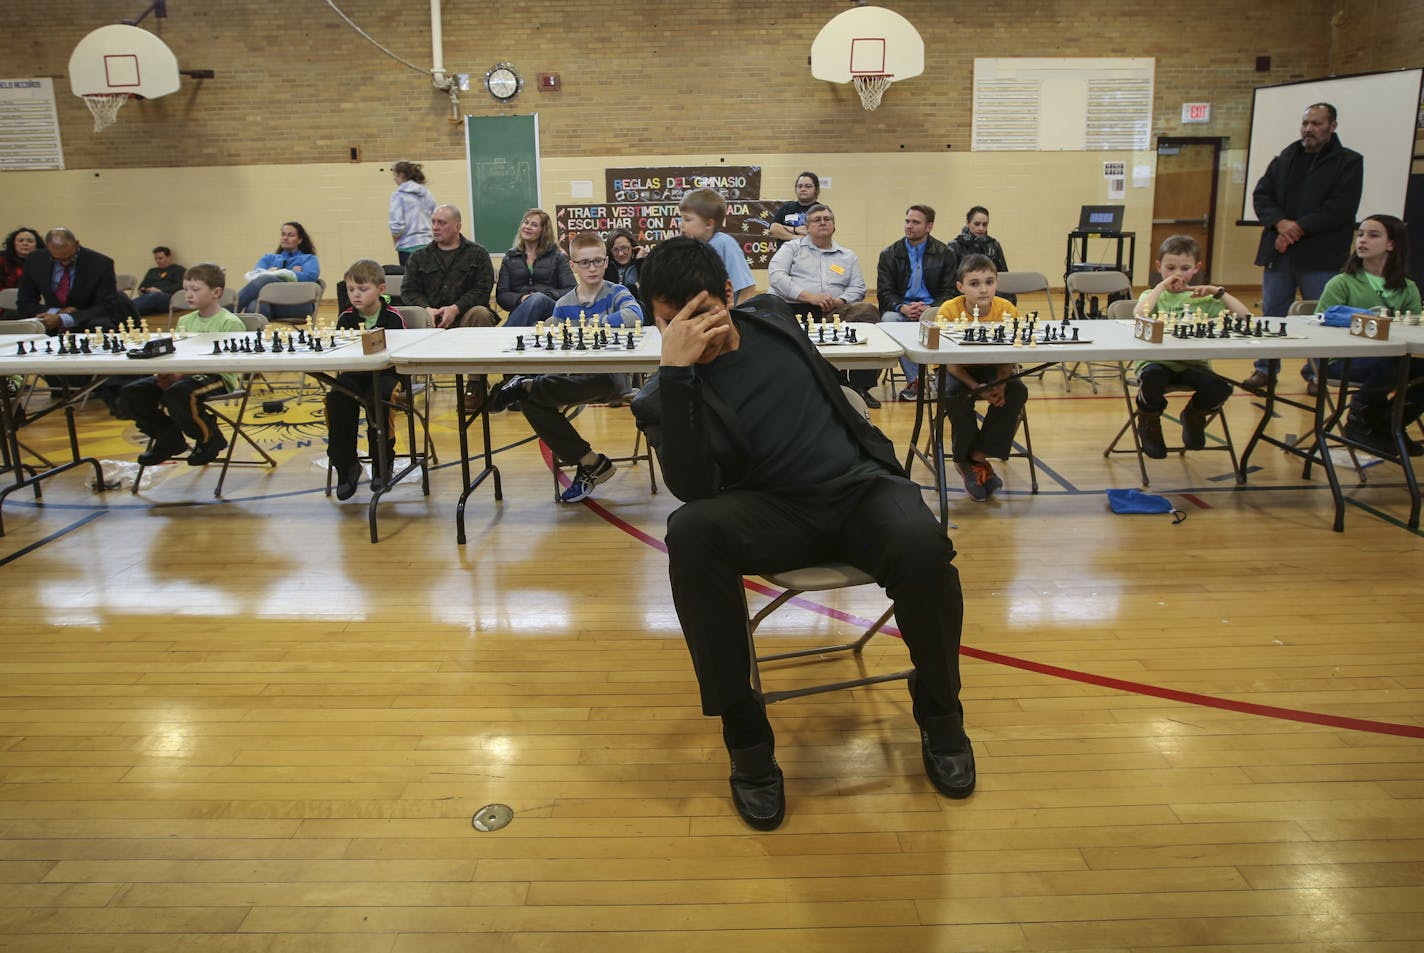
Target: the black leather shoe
pixel 948 755
pixel 205 453
pixel 163 449
pixel 871 401
pixel 758 787
pixel 348 480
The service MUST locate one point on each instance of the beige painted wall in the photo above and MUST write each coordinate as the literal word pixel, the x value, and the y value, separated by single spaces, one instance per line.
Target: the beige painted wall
pixel 231 214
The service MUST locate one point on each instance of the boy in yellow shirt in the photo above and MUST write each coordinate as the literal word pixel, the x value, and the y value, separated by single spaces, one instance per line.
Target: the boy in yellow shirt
pixel 971 445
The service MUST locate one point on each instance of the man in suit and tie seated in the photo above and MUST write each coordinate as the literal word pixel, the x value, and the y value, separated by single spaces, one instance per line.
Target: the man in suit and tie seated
pixel 71 288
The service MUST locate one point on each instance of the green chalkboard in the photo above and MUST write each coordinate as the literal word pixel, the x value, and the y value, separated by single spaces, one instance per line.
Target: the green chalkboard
pixel 502 156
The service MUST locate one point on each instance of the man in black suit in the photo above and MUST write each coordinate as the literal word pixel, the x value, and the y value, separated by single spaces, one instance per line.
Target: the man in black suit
pixel 69 287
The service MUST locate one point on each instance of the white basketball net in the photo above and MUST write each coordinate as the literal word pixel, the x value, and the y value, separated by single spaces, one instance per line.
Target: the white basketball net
pixel 105 107
pixel 871 88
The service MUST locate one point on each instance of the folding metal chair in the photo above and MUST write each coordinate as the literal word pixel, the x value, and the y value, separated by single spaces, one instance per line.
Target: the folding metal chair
pixel 1084 285
pixel 253 323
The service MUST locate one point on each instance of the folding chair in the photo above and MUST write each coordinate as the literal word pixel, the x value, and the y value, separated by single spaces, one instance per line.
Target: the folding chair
pixel 642 452
pixel 403 401
pixel 178 305
pixel 253 322
pixel 1027 282
pixel 126 283
pixel 10 300
pixel 1129 386
pixel 1083 285
pixel 794 583
pixel 292 294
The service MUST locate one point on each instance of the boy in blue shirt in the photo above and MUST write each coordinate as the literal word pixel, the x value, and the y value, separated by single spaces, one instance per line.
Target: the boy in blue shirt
pixel 543 397
pixel 702 212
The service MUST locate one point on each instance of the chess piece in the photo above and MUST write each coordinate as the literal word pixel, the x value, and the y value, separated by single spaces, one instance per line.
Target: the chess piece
pixel 519 342
pixel 316 344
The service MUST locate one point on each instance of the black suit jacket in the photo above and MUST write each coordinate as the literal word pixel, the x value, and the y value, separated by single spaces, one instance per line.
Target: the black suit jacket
pixel 93 293
pixel 1325 207
pixel 701 443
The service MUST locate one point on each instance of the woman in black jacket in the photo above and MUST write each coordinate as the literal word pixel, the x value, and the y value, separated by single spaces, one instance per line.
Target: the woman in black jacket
pixel 535 272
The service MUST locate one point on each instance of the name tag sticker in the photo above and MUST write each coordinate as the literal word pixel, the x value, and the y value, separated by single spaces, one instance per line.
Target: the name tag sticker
pixel 838 269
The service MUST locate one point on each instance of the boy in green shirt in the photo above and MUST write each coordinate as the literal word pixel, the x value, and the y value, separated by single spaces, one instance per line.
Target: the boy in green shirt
pixel 1178 260
pixel 168 406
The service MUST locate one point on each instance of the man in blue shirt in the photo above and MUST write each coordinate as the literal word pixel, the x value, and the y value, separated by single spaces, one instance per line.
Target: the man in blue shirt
pixel 915 275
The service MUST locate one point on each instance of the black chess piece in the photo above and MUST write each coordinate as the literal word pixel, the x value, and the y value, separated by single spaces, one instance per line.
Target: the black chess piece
pixel 257 346
pixel 616 340
pixel 853 336
pixel 20 349
pixel 519 342
pixel 316 343
pixel 581 346
pixel 1283 329
pixel 548 340
pixel 32 347
pixel 48 348
pixel 301 336
pixel 85 347
pixel 821 334
pixel 968 337
pixel 1075 334
pixel 276 343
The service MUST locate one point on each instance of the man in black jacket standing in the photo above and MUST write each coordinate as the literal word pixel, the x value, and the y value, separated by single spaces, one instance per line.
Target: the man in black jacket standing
pixel 1307 201
pixel 915 275
pixel 778 471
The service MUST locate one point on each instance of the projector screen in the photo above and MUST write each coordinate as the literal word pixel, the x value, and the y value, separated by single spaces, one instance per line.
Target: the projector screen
pixel 1377 114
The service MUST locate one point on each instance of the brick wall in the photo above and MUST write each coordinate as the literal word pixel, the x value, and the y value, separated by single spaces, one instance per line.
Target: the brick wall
pixel 296 85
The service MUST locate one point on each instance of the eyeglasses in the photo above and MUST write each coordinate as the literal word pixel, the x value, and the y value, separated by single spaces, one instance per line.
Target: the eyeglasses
pixel 590 262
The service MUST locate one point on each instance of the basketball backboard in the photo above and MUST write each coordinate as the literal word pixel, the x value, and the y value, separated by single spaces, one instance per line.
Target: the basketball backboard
pixel 123 59
pixel 867 41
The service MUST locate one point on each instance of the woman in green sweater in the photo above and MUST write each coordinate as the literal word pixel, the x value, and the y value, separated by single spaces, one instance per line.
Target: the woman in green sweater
pixel 1375 277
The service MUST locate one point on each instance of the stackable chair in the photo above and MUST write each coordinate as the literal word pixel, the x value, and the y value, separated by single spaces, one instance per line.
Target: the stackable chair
pixel 1123 309
pixel 10 300
pixel 292 293
pixel 1027 282
pixel 642 452
pixel 178 304
pixel 233 420
pixel 797 582
pixel 126 283
pixel 1083 284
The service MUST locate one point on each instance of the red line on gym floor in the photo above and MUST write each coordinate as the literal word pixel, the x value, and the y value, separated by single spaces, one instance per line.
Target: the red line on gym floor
pixel 1056 671
pixel 1196 501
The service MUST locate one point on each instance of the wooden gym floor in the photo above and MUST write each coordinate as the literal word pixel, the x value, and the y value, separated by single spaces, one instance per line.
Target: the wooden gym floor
pixel 237 726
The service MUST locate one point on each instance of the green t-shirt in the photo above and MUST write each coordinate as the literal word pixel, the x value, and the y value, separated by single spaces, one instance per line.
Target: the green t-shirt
pixel 1172 303
pixel 224 321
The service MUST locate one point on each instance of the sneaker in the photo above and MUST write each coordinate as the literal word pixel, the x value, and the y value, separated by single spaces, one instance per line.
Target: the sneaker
pixel 1149 434
pixel 349 480
pixel 163 449
pixel 976 480
pixel 911 392
pixel 508 394
pixel 588 477
pixel 870 399
pixel 205 453
pixel 1193 428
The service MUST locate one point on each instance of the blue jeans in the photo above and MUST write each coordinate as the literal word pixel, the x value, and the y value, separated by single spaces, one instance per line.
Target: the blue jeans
pixel 529 312
pixel 911 369
pixel 1279 282
pixel 153 302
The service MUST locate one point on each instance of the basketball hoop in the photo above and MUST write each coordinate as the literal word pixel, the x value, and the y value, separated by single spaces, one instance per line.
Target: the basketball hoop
pixel 871 87
pixel 105 107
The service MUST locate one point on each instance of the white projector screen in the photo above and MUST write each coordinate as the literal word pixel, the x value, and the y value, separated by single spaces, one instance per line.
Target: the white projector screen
pixel 1377 114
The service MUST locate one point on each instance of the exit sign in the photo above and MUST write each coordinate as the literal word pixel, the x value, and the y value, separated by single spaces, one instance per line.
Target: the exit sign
pixel 1196 112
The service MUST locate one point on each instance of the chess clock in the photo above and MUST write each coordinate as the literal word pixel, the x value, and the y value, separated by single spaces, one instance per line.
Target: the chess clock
pixel 503 81
pixel 1371 326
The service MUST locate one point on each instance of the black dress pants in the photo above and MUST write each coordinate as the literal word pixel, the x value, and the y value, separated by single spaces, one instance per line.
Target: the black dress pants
pixel 880 525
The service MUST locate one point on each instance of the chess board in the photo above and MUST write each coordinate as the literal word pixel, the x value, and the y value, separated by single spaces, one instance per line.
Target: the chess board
pixel 571 341
pixel 1273 329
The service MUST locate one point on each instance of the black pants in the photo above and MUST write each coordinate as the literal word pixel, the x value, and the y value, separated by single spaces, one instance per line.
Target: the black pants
pixel 342 411
pixel 996 438
pixel 166 414
pixel 881 526
pixel 549 394
pixel 1209 391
